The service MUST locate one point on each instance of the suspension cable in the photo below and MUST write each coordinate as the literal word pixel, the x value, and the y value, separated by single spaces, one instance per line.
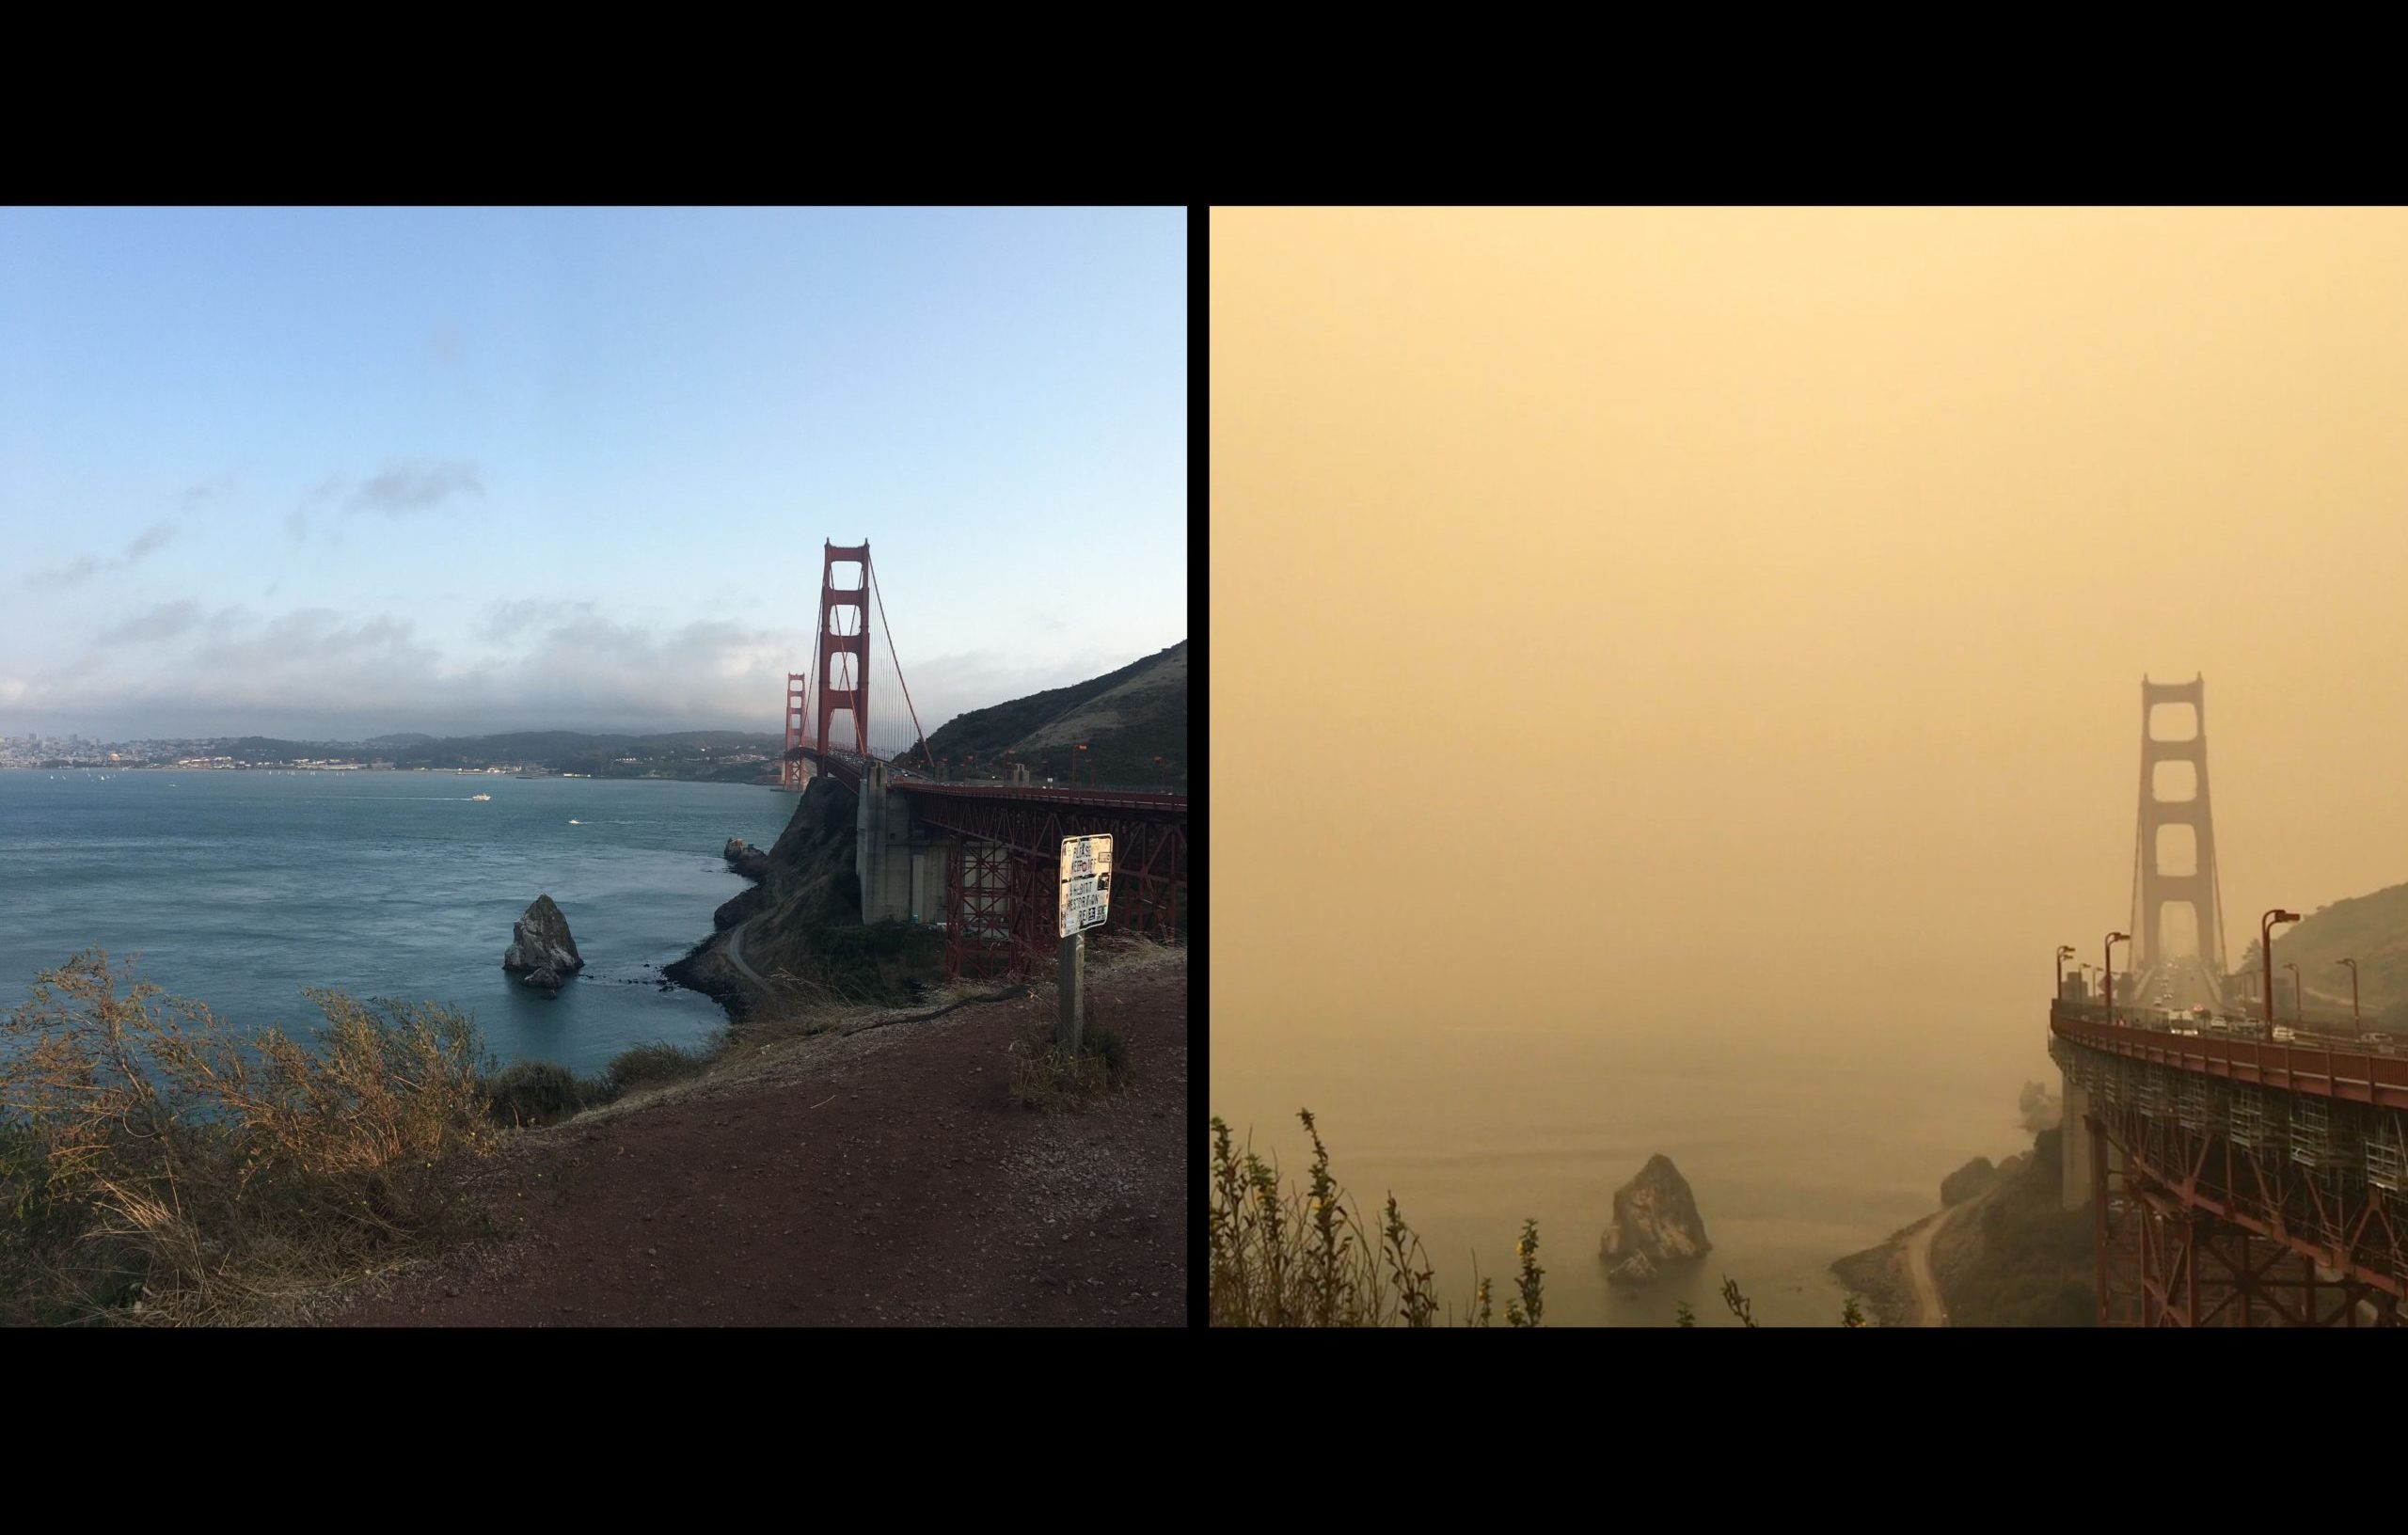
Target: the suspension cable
pixel 889 630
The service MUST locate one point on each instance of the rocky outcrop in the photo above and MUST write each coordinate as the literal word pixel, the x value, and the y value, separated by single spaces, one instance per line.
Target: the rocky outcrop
pixel 747 860
pixel 1655 1222
pixel 1970 1181
pixel 806 887
pixel 541 948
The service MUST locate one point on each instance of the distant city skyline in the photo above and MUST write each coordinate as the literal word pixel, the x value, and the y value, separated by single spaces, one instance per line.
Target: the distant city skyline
pixel 330 474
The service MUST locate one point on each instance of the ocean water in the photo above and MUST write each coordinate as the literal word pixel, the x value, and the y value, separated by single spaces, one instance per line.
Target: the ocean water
pixel 1797 1154
pixel 240 889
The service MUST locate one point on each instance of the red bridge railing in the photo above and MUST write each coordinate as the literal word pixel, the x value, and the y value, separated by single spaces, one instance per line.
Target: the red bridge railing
pixel 2351 1072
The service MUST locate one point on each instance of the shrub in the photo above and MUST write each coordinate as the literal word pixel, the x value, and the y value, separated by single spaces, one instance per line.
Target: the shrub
pixel 153 1162
pixel 1045 1076
pixel 1304 1258
pixel 649 1066
pixel 541 1093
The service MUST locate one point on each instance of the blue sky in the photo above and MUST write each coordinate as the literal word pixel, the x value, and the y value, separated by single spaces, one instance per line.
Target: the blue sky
pixel 342 472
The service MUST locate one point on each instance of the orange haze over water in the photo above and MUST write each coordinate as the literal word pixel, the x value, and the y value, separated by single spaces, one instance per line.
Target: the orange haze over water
pixel 1717 632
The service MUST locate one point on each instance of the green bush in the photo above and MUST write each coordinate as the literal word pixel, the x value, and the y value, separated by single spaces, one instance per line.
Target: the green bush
pixel 649 1066
pixel 1043 1076
pixel 542 1093
pixel 875 963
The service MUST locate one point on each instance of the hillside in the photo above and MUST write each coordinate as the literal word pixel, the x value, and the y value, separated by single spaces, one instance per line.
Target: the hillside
pixel 2007 1257
pixel 803 918
pixel 2371 929
pixel 1127 719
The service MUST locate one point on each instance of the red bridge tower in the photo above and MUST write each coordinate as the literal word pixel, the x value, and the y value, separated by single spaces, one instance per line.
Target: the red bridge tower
pixel 792 769
pixel 851 646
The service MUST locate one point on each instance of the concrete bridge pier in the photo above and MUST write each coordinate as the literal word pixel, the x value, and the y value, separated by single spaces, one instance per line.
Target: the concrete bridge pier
pixel 899 862
pixel 2076 1150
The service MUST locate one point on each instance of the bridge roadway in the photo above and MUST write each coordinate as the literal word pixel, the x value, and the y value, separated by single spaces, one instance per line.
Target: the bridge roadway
pixel 2329 1066
pixel 2297 1142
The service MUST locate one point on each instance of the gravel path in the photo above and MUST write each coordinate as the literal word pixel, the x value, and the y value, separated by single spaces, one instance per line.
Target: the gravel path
pixel 736 952
pixel 877 1177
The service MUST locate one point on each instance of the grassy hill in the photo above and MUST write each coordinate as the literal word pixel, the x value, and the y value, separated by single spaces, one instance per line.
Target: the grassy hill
pixel 2371 929
pixel 1126 717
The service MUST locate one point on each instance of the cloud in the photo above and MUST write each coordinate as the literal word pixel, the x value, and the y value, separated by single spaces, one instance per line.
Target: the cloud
pixel 544 664
pixel 73 573
pixel 151 538
pixel 161 623
pixel 215 485
pixel 77 571
pixel 414 487
pixel 511 619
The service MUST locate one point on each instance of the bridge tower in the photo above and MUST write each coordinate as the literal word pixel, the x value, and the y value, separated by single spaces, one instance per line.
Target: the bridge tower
pixel 838 643
pixel 2154 888
pixel 793 770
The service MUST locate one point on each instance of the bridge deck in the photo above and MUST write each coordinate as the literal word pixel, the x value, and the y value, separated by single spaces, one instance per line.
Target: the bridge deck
pixel 2329 1070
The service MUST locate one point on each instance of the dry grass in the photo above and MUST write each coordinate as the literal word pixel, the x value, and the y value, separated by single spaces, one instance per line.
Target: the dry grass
pixel 156 1168
pixel 1303 1258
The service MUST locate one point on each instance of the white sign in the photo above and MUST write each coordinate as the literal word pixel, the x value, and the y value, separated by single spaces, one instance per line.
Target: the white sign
pixel 1086 882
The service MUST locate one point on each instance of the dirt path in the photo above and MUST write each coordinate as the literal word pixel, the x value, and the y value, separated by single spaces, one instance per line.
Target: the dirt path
pixel 879 1177
pixel 1919 1269
pixel 736 953
pixel 1928 1297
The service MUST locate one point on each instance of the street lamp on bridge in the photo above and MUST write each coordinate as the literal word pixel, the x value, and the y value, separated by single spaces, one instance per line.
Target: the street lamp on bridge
pixel 2353 993
pixel 2107 968
pixel 2295 970
pixel 2266 957
pixel 2064 952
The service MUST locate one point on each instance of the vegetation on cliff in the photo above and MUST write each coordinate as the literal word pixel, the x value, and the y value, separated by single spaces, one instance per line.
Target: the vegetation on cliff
pixel 1126 719
pixel 2027 1263
pixel 157 1165
pixel 2373 930
pixel 802 924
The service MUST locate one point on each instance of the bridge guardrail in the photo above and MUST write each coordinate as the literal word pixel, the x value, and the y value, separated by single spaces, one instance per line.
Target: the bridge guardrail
pixel 2329 1069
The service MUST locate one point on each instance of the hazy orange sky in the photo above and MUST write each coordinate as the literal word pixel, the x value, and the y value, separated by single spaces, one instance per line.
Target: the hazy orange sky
pixel 1616 609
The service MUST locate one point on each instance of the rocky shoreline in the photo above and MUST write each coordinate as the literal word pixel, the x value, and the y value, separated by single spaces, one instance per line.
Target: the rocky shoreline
pixel 1878 1276
pixel 703 968
pixel 805 890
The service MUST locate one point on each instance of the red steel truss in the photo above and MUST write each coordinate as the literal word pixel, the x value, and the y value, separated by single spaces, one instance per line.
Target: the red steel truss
pixel 977 910
pixel 2235 1183
pixel 1149 857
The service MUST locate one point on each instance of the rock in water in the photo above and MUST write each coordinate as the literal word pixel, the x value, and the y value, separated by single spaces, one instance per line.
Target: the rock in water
pixel 746 860
pixel 1655 1223
pixel 539 946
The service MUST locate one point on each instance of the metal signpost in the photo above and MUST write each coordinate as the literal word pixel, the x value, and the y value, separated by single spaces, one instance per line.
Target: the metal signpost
pixel 1086 897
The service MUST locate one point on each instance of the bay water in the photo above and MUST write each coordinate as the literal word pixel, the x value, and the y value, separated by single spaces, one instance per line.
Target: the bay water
pixel 240 889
